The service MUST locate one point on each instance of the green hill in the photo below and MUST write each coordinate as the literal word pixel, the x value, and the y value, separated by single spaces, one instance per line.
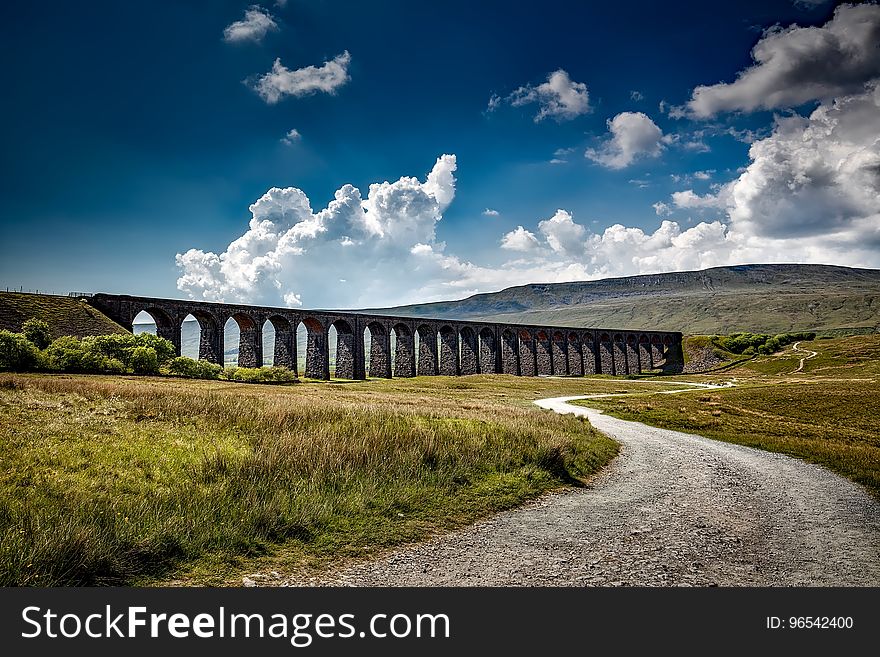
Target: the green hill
pixel 64 315
pixel 763 298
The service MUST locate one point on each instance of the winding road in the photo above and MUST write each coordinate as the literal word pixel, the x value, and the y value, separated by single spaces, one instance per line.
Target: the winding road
pixel 673 509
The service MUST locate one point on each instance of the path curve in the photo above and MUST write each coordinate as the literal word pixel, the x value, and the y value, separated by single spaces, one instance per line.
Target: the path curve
pixel 673 509
pixel 813 354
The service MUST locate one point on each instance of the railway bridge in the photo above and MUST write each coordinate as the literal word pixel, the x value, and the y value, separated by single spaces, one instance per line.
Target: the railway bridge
pixel 420 346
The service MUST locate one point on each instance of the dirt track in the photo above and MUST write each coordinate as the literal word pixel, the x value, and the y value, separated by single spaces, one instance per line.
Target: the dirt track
pixel 672 510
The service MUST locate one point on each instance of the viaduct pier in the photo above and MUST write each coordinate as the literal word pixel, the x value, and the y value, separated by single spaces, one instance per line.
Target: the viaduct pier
pixel 421 346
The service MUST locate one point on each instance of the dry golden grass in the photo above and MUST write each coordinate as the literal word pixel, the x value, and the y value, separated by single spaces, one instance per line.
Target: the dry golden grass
pixel 116 480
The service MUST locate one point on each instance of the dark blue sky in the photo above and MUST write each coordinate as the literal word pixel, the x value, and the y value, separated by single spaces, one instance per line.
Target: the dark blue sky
pixel 129 136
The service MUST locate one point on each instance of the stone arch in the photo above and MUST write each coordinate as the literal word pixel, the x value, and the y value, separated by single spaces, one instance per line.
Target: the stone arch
pixel 427 351
pixel 380 350
pixel 560 353
pixel 250 339
pixel 509 352
pixel 606 354
pixel 405 351
pixel 448 350
pixel 317 349
pixel 543 352
pixel 284 347
pixel 527 365
pixel 488 351
pixel 346 353
pixel 575 355
pixel 469 358
pixel 167 325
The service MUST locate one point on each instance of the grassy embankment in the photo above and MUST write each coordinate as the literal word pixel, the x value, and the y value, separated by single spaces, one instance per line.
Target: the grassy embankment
pixel 121 480
pixel 64 315
pixel 825 414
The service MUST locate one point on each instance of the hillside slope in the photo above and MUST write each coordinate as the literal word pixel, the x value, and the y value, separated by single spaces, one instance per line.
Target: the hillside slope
pixel 771 298
pixel 64 315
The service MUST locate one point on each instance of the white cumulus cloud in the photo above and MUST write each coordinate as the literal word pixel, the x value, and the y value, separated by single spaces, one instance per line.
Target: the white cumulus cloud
pixel 293 135
pixel 810 193
pixel 559 98
pixel 281 81
pixel 632 135
pixel 256 24
pixel 519 239
pixel 795 65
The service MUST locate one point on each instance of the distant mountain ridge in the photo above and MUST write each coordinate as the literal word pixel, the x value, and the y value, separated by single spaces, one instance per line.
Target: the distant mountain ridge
pixel 717 300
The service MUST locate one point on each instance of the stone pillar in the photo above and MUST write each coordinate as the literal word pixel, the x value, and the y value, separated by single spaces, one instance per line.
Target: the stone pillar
pixel 657 358
pixel 448 352
pixel 211 345
pixel 405 354
pixel 488 353
pixel 250 345
pixel 527 364
pixel 560 354
pixel 317 355
pixel 606 357
pixel 469 351
pixel 509 353
pixel 619 356
pixel 633 365
pixel 380 354
pixel 645 356
pixel 674 357
pixel 427 365
pixel 284 354
pixel 170 332
pixel 543 356
pixel 575 357
pixel 588 347
pixel 345 354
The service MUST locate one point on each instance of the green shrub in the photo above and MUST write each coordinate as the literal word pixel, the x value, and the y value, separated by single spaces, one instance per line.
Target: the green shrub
pixel 761 343
pixel 17 353
pixel 163 348
pixel 90 355
pixel 121 346
pixel 37 332
pixel 143 360
pixel 260 374
pixel 194 369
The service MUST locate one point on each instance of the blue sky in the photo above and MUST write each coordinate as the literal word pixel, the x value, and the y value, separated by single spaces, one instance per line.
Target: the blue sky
pixel 134 133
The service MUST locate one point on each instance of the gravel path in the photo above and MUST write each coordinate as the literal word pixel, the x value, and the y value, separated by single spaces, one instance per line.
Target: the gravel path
pixel 813 354
pixel 672 510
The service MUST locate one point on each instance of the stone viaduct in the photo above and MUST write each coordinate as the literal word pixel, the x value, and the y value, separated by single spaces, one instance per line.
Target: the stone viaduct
pixel 422 346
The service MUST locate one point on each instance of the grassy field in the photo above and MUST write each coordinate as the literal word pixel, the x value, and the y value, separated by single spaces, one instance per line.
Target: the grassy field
pixel 825 414
pixel 122 480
